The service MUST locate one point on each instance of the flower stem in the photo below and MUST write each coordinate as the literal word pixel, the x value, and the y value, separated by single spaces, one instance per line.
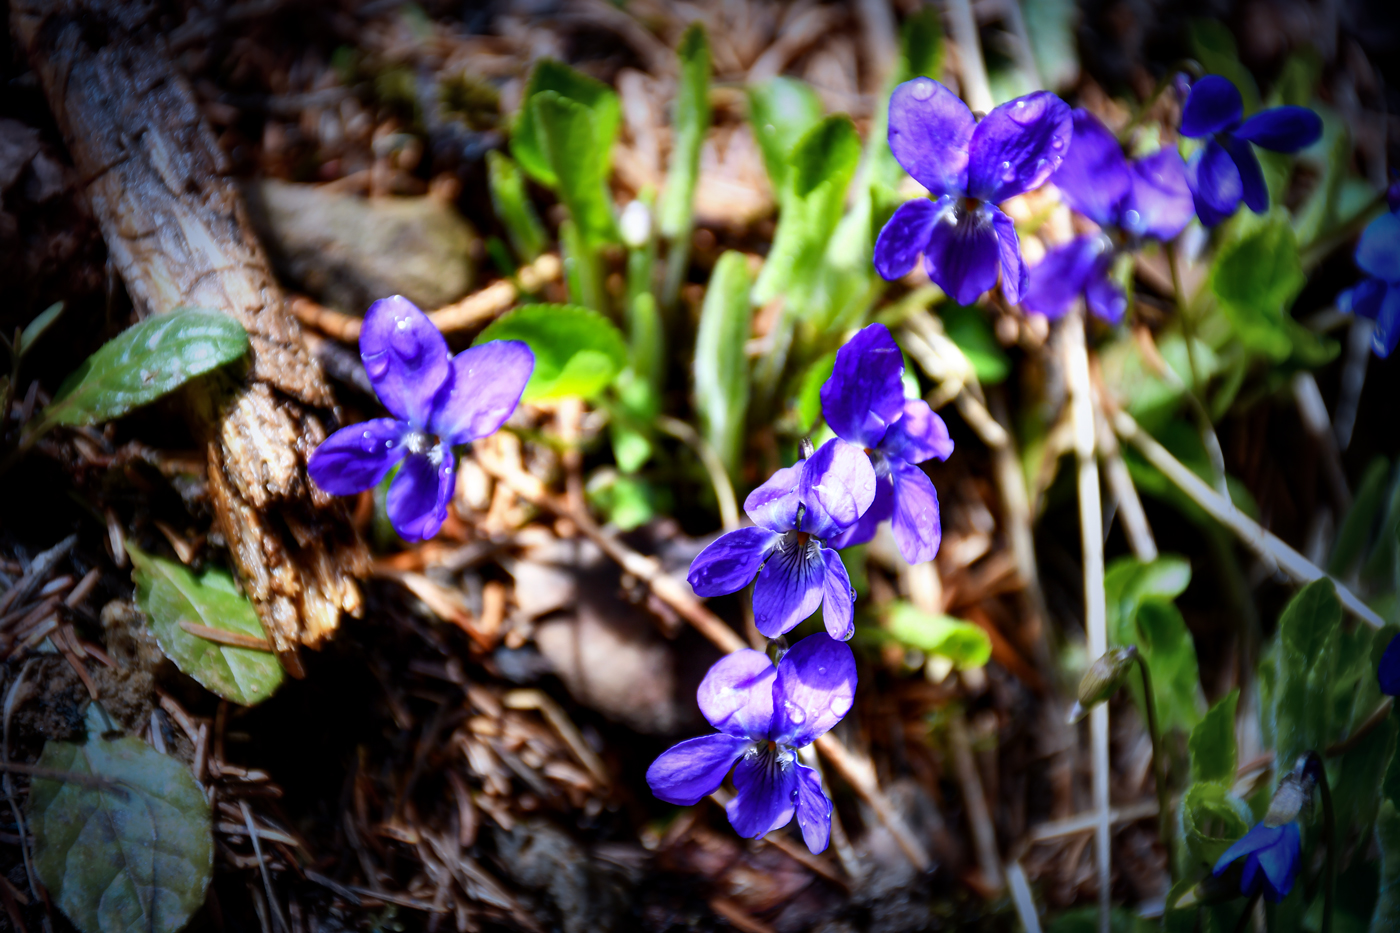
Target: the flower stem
pixel 1315 769
pixel 1164 799
pixel 1193 391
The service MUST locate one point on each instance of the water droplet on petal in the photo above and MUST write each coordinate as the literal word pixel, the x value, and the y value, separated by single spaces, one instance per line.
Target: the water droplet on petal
pixel 1057 143
pixel 404 339
pixel 1008 172
pixel 821 670
pixel 840 707
pixel 923 89
pixel 1028 112
pixel 795 713
pixel 376 364
pixel 1131 218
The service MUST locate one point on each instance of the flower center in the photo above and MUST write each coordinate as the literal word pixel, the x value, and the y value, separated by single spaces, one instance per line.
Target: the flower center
pixel 423 444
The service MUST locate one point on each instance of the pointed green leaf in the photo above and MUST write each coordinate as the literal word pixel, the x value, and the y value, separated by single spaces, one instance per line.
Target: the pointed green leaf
pixel 721 366
pixel 1128 581
pixel 35 328
pixel 577 351
pixel 1212 818
pixel 1212 743
pixel 144 362
pixel 132 850
pixel 781 110
pixel 1256 279
pixel 169 594
pixel 1170 653
pixel 963 642
pixel 526 142
pixel 828 151
pixel 513 208
pixel 688 126
pixel 1304 664
pixel 569 138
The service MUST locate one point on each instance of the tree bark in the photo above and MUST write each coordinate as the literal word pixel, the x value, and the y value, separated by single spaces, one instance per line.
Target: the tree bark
pixel 177 231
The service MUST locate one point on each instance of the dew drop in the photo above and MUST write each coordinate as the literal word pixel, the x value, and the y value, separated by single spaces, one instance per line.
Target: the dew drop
pixel 404 339
pixel 1131 218
pixel 376 364
pixel 839 708
pixel 1057 143
pixel 922 90
pixel 795 713
pixel 1008 172
pixel 1026 113
pixel 821 670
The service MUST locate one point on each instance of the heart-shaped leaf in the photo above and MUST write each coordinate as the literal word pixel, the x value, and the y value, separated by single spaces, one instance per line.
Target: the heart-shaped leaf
pixel 127 843
pixel 145 362
pixel 527 143
pixel 577 351
pixel 169 594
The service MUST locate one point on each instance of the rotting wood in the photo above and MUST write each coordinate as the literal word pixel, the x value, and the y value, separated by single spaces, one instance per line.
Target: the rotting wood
pixel 176 230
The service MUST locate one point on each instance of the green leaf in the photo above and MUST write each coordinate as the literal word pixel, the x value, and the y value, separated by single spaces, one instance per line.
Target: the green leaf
pixel 1170 653
pixel 827 151
pixel 627 501
pixel 1336 144
pixel 1214 46
pixel 646 352
pixel 1256 278
pixel 570 140
pixel 1212 818
pixel 968 328
pixel 965 643
pixel 134 850
pixel 145 362
pixel 781 110
pixel 169 594
pixel 721 366
pixel 1212 743
pixel 527 141
pixel 513 208
pixel 1354 536
pixel 809 397
pixel 1304 664
pixel 35 328
pixel 577 351
pixel 1128 581
pixel 688 126
pixel 1386 917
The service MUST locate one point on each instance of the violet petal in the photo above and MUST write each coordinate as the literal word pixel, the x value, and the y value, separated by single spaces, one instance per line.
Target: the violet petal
pixel 765 783
pixel 1061 277
pixel 919 435
pixel 1213 105
pixel 963 254
pixel 1387 331
pixel 686 773
pixel 916 526
pixel 1014 277
pixel 729 563
pixel 1388 672
pixel 864 529
pixel 418 496
pixel 483 387
pixel 1282 129
pixel 1018 146
pixel 1255 191
pixel 813 810
pixel 865 392
pixel 357 457
pixel 838 599
pixel 930 129
pixel 837 487
pixel 1159 202
pixel 815 689
pixel 789 587
pixel 1280 863
pixel 1093 178
pixel 736 695
pixel 1378 250
pixel 903 238
pixel 774 504
pixel 1215 183
pixel 405 357
pixel 1105 299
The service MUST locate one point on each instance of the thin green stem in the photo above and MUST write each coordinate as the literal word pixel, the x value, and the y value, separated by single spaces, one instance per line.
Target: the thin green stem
pixel 1243 923
pixel 1193 391
pixel 1164 799
pixel 1329 833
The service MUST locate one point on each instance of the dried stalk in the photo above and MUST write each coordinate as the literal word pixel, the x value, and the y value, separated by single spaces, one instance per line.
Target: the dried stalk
pixel 973 70
pixel 1095 606
pixel 984 838
pixel 1266 545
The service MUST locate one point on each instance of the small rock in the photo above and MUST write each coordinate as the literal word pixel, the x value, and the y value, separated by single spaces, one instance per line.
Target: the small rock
pixel 349 251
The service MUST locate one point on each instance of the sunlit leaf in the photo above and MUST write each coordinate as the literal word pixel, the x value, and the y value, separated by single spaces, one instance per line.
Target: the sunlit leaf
pixel 1170 653
pixel 170 594
pixel 571 142
pixel 809 399
pixel 513 208
pixel 689 124
pixel 526 142
pixel 577 351
pixel 965 643
pixel 144 362
pixel 781 110
pixel 721 366
pixel 133 849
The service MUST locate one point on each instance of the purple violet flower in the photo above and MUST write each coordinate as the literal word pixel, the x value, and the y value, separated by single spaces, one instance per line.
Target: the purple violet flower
pixel 794 513
pixel 1389 672
pixel 1377 297
pixel 437 401
pixel 864 404
pixel 969 167
pixel 1271 859
pixel 1226 170
pixel 764 714
pixel 1131 200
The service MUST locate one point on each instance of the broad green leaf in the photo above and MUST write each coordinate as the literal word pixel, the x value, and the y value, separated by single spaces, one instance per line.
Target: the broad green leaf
pixel 721 366
pixel 1212 818
pixel 963 642
pixel 133 852
pixel 1305 660
pixel 1256 278
pixel 1170 653
pixel 144 362
pixel 35 328
pixel 688 126
pixel 1386 918
pixel 169 594
pixel 513 208
pixel 627 501
pixel 1128 581
pixel 577 351
pixel 571 142
pixel 527 143
pixel 809 399
pixel 781 110
pixel 1214 46
pixel 1212 743
pixel 968 328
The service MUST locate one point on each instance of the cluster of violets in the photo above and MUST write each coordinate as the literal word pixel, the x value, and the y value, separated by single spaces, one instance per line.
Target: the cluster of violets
pixel 968 166
pixel 833 498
